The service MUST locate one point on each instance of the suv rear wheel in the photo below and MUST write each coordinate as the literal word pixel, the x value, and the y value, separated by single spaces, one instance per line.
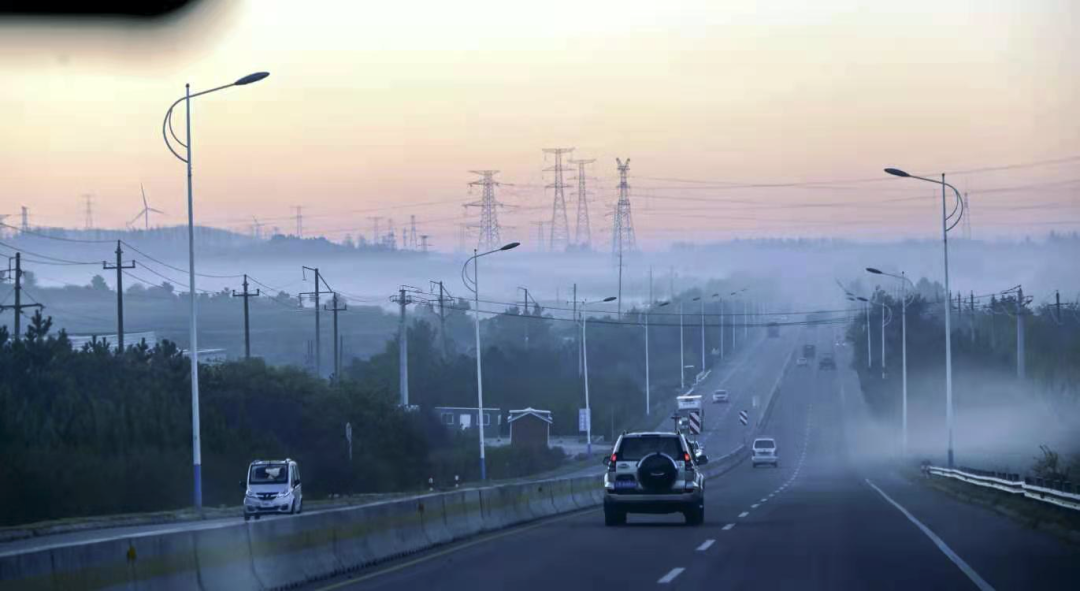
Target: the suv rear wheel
pixel 695 515
pixel 613 516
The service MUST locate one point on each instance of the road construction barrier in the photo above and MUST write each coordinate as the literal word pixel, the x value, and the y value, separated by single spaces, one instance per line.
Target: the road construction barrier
pixel 223 555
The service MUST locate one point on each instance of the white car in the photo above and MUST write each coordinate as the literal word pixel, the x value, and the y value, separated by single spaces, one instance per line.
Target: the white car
pixel 720 396
pixel 272 486
pixel 802 362
pixel 764 452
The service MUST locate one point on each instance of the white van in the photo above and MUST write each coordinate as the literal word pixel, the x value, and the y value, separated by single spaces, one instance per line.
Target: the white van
pixel 272 486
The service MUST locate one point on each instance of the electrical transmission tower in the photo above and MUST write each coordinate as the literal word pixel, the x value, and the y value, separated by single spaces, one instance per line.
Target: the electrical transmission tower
pixel 89 211
pixel 489 222
pixel 582 231
pixel 967 218
pixel 412 232
pixel 539 235
pixel 622 234
pixel 25 219
pixel 560 227
pixel 299 221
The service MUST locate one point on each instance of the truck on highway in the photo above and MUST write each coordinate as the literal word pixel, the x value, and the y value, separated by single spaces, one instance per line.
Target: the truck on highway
pixel 690 402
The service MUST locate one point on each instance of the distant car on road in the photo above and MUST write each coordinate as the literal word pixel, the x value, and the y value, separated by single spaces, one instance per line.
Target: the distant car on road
pixel 827 362
pixel 654 473
pixel 272 486
pixel 809 351
pixel 720 396
pixel 802 362
pixel 764 452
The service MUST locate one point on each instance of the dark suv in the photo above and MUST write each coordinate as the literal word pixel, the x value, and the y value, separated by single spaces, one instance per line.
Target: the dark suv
pixel 827 362
pixel 653 473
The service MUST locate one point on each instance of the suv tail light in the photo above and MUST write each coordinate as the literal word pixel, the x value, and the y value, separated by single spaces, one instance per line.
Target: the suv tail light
pixel 611 465
pixel 689 464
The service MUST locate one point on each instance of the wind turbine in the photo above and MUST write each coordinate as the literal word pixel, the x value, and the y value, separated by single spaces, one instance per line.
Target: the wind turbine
pixel 145 213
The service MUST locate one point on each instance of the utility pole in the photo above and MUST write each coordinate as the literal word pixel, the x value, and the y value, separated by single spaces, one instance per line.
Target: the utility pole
pixel 1057 296
pixel 247 325
pixel 299 222
pixel 334 308
pixel 560 226
pixel 682 363
pixel 971 317
pixel 1021 370
pixel 424 242
pixel 442 318
pixel 403 348
pixel 579 340
pixel 119 266
pixel 18 307
pixel 524 314
pixel 89 211
pixel 318 324
pixel 721 329
pixel 25 219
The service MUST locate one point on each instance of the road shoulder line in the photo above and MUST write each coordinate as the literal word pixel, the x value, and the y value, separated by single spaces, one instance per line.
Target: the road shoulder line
pixel 959 562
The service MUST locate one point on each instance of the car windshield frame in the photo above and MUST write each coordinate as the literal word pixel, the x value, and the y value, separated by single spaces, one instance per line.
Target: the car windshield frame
pixel 765 444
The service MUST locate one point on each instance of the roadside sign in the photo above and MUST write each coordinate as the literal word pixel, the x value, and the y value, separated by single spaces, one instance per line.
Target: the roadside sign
pixel 583 420
pixel 744 417
pixel 695 423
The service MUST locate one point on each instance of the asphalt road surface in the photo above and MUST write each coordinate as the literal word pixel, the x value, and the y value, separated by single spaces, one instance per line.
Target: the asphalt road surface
pixel 831 516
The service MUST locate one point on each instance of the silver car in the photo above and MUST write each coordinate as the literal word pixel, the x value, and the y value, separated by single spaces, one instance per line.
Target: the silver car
pixel 272 486
pixel 764 452
pixel 654 473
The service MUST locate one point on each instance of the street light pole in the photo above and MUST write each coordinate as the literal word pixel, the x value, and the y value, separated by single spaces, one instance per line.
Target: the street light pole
pixel 648 402
pixel 193 347
pixel 958 212
pixel 475 288
pixel 585 359
pixel 682 363
pixel 904 281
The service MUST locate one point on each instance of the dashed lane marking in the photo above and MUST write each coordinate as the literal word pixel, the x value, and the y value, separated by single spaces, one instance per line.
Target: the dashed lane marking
pixel 729 526
pixel 743 514
pixel 755 505
pixel 705 545
pixel 668 578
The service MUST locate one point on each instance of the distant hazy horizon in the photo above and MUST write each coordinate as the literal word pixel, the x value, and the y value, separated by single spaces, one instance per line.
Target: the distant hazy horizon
pixel 741 119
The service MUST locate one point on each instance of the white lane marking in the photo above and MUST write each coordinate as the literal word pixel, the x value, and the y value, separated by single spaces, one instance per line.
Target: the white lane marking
pixel 664 580
pixel 744 514
pixel 705 545
pixel 765 499
pixel 729 526
pixel 755 505
pixel 971 574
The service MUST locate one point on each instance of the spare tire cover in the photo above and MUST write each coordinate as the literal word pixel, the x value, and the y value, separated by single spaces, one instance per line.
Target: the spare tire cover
pixel 657 472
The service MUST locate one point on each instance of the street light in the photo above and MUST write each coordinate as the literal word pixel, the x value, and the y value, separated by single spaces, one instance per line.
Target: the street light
pixel 903 331
pixel 956 215
pixel 585 360
pixel 745 324
pixel 648 404
pixel 473 285
pixel 166 131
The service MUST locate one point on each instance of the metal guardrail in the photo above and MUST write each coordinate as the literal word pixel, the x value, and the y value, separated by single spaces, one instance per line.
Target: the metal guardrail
pixel 1062 493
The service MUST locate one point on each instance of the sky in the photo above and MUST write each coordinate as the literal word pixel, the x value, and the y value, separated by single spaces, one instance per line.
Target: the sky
pixel 382 109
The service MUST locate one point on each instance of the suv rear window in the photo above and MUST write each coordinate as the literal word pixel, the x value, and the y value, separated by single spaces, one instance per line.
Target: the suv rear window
pixel 766 444
pixel 633 449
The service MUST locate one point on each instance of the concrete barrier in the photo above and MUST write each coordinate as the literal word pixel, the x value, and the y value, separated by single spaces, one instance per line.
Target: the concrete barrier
pixel 583 494
pixel 498 507
pixel 353 532
pixel 289 550
pixel 539 498
pixel 32 571
pixel 463 513
pixel 562 496
pixel 224 559
pixel 433 519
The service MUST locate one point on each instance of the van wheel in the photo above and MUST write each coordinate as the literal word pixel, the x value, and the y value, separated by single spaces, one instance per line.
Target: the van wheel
pixel 614 517
pixel 292 508
pixel 300 506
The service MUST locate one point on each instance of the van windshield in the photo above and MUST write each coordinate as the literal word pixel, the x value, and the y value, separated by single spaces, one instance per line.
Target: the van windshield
pixel 764 444
pixel 269 474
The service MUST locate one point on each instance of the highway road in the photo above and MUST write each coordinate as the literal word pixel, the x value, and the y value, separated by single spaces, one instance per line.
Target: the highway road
pixel 744 372
pixel 831 516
